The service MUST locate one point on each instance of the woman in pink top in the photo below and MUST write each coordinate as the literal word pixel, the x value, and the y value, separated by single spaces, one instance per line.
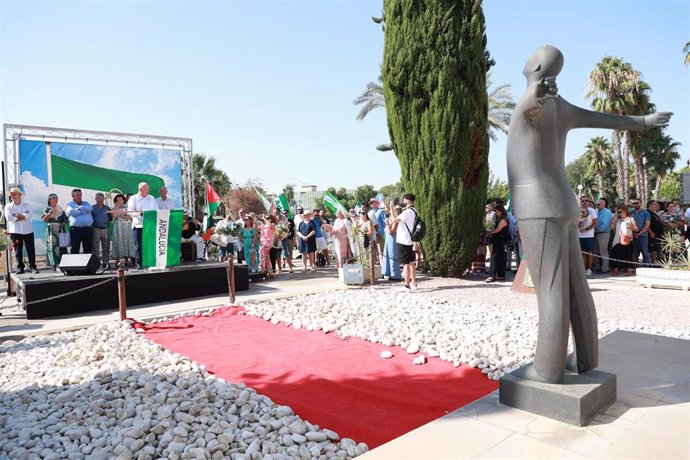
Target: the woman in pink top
pixel 341 232
pixel 268 233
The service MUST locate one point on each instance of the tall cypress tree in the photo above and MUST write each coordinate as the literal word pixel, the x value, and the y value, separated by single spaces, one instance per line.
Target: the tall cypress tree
pixel 434 78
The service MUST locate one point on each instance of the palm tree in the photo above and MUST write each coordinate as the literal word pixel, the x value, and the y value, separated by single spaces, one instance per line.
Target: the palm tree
pixel 661 157
pixel 370 99
pixel 598 157
pixel 639 104
pixel 686 50
pixel 610 85
pixel 501 105
pixel 205 169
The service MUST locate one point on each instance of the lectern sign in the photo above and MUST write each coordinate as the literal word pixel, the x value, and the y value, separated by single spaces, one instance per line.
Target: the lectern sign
pixel 161 238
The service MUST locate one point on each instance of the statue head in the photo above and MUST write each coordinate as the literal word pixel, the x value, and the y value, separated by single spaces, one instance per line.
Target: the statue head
pixel 546 61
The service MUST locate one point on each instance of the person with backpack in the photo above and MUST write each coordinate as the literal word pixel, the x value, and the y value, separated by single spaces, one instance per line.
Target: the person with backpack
pixel 407 222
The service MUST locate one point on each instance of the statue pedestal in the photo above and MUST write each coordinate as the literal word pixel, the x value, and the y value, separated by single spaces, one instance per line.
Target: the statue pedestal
pixel 579 398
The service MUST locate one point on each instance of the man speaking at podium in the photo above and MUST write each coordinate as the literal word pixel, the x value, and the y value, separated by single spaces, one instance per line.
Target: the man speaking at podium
pixel 137 204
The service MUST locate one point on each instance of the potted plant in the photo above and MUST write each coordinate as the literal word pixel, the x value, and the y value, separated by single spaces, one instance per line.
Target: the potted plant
pixel 674 265
pixel 357 270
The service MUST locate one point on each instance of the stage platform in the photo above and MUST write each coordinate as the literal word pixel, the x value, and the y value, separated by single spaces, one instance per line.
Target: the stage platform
pixel 185 281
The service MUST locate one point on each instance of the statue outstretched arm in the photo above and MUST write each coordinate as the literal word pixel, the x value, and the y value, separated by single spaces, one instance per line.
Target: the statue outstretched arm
pixel 582 118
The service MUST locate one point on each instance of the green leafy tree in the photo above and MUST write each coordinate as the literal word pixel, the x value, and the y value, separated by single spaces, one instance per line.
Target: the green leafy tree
pixel 686 50
pixel 497 189
pixel 669 187
pixel 205 169
pixel 289 191
pixel 393 191
pixel 434 81
pixel 364 193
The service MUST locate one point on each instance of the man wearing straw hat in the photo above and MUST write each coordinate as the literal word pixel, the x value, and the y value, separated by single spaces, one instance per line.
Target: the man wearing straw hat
pixel 21 230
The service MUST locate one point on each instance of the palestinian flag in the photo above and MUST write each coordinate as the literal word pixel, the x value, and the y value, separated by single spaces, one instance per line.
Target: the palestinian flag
pixel 161 238
pixel 281 203
pixel 212 202
pixel 333 204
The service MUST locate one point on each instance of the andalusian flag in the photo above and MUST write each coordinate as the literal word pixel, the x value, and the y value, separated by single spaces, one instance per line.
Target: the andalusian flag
pixel 212 202
pixel 333 204
pixel 161 238
pixel 86 176
pixel 281 203
pixel 267 204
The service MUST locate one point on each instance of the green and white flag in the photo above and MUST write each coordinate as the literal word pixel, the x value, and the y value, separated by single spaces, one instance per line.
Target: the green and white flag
pixel 281 203
pixel 161 238
pixel 333 204
pixel 264 201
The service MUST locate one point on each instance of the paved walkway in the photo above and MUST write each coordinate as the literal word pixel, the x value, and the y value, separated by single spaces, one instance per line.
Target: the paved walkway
pixel 650 419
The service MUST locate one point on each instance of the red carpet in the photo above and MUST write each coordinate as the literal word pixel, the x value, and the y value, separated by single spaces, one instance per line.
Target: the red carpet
pixel 339 384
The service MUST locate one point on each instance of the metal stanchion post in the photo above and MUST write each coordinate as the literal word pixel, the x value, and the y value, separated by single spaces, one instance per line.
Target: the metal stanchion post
pixel 122 295
pixel 231 277
pixel 372 260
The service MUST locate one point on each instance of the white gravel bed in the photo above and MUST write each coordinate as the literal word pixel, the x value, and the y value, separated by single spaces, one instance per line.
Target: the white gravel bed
pixel 106 392
pixel 494 338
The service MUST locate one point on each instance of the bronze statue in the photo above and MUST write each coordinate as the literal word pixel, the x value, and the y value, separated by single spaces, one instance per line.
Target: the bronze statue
pixel 544 203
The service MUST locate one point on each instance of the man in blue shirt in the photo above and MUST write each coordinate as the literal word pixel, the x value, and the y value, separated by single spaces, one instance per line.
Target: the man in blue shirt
pixel 379 222
pixel 101 218
pixel 641 236
pixel 602 234
pixel 80 221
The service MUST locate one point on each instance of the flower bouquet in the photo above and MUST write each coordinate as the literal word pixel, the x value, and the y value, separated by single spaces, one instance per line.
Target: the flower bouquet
pixel 5 241
pixel 282 231
pixel 230 228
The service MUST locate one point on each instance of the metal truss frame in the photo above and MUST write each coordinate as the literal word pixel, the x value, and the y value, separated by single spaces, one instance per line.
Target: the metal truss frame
pixel 13 133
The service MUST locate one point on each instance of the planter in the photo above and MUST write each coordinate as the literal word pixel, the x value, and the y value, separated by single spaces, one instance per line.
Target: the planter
pixel 659 277
pixel 357 273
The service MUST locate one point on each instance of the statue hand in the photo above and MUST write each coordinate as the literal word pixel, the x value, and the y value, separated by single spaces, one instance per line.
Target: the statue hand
pixel 657 119
pixel 547 88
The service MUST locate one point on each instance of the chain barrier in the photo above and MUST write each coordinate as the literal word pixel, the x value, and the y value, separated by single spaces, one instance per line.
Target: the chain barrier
pixel 655 264
pixel 65 294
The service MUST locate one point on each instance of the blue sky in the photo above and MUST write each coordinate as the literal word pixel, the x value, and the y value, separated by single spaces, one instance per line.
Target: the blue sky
pixel 267 86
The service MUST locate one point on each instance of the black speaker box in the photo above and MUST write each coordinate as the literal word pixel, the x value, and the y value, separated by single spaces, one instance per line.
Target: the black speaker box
pixel 79 264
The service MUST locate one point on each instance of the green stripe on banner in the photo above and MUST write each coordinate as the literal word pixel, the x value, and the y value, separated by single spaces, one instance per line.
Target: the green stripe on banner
pixel 161 238
pixel 78 174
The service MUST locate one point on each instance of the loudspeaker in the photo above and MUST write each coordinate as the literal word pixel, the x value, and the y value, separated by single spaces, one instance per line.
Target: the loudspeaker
pixel 79 264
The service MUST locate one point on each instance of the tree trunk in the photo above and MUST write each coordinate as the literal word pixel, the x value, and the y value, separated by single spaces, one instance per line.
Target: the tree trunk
pixel 434 74
pixel 626 167
pixel 636 176
pixel 618 157
pixel 657 187
pixel 602 189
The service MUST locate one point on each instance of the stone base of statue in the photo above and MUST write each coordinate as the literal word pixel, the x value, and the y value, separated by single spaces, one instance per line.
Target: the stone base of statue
pixel 575 401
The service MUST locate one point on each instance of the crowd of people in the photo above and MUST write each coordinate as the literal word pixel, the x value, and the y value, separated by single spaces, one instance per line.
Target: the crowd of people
pixel 266 242
pixel 612 240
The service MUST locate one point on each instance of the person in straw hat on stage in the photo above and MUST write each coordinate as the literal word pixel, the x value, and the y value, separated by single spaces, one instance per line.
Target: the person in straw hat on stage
pixel 21 230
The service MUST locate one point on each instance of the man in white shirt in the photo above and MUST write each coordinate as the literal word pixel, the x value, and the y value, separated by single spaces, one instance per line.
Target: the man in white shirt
pixel 403 237
pixel 164 202
pixel 140 202
pixel 21 230
pixel 588 222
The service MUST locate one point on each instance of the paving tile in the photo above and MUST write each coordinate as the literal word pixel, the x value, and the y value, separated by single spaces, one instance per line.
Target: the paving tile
pixel 630 406
pixel 452 436
pixel 521 446
pixel 634 445
pixel 668 422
